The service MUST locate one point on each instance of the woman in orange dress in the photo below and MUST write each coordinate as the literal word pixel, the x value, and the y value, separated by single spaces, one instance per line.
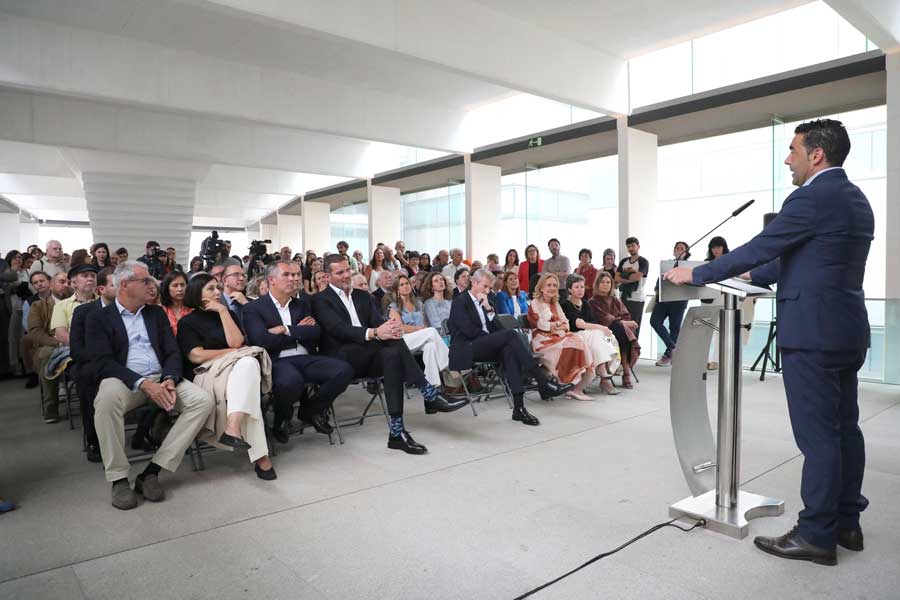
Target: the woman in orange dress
pixel 562 352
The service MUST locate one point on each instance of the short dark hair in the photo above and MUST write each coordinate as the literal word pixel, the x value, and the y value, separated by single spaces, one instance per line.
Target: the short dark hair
pixel 165 298
pixel 829 135
pixel 151 244
pixel 332 259
pixel 31 277
pixel 122 250
pixel 459 273
pixel 551 240
pixel 343 243
pixel 104 276
pixel 632 240
pixel 193 295
pixel 585 251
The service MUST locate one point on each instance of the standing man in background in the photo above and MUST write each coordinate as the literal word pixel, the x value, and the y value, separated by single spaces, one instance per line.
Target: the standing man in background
pixel 816 250
pixel 630 277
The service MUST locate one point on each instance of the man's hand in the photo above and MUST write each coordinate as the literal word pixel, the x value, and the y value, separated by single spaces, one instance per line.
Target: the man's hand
pixel 238 297
pixel 280 329
pixel 680 275
pixel 390 330
pixel 307 321
pixel 161 394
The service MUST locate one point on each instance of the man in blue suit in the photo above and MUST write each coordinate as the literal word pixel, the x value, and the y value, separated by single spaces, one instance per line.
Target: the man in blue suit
pixel 284 325
pixel 816 250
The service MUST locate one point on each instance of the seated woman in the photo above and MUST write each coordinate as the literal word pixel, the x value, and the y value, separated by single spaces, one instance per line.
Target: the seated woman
pixel 257 286
pixel 437 298
pixel 405 307
pixel 510 299
pixel 598 338
pixel 321 280
pixel 171 295
pixel 153 291
pixel 461 280
pixel 610 311
pixel 562 352
pixel 530 268
pixel 209 338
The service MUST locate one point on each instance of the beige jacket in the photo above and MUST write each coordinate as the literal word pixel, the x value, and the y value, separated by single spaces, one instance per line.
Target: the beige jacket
pixel 212 376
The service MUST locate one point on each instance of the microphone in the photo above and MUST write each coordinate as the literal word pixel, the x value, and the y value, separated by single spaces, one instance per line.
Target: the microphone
pixel 743 208
pixel 732 215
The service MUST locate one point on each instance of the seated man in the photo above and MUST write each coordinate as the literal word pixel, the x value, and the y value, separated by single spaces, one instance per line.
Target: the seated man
pixel 234 282
pixel 41 343
pixel 283 325
pixel 353 331
pixel 85 373
pixel 83 279
pixel 137 360
pixel 40 282
pixel 475 336
pixel 385 281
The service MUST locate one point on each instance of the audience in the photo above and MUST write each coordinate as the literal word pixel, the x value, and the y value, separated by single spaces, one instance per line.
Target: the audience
pixel 456 262
pixel 283 324
pixel 530 269
pixel 671 310
pixel 587 270
pixel 609 265
pixel 630 277
pixel 352 331
pixel 611 312
pixel 40 283
pixel 460 280
pixel 101 258
pixel 171 297
pixel 600 339
pixel 441 261
pixel 557 264
pixel 41 342
pixel 436 295
pixel 511 300
pixel 151 259
pixel 234 282
pixel 475 336
pixel 52 262
pixel 561 351
pixel 83 280
pixel 257 286
pixel 217 360
pixel 143 365
pixel 375 267
pixel 384 281
pixel 359 282
pixel 511 261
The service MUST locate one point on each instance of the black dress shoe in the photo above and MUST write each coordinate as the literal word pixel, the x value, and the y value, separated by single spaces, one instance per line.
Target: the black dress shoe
pixel 441 403
pixel 521 414
pixel 794 547
pixel 93 453
pixel 551 389
pixel 281 434
pixel 405 442
pixel 320 423
pixel 265 475
pixel 234 442
pixel 851 539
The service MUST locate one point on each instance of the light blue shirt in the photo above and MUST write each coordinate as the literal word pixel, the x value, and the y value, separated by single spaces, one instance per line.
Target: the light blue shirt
pixel 141 355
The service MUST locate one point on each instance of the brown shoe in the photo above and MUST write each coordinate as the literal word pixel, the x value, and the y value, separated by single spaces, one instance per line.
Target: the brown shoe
pixel 123 497
pixel 147 485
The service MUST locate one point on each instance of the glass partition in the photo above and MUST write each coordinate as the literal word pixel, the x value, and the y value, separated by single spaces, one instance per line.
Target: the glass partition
pixel 434 219
pixel 351 224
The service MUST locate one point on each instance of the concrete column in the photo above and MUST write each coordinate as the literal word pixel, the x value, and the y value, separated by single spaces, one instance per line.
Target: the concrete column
pixel 317 227
pixel 482 209
pixel 384 215
pixel 892 224
pixel 637 185
pixel 129 210
pixel 269 231
pixel 290 232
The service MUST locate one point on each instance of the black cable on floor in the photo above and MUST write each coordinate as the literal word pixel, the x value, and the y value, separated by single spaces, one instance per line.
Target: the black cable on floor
pixel 671 523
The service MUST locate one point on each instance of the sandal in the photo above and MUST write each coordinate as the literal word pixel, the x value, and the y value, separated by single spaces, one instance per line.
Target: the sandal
pixel 609 389
pixel 626 379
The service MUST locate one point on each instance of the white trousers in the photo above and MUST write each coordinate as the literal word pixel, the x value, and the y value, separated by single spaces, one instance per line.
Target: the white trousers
pixel 435 353
pixel 242 389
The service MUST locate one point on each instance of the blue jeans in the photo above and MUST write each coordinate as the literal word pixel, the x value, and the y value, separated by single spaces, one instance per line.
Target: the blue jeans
pixel 674 312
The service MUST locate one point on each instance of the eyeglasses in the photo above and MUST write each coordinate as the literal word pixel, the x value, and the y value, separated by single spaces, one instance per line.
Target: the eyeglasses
pixel 144 280
pixel 237 274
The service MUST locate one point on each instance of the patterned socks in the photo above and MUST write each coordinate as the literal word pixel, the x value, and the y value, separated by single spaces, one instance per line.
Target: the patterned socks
pixel 396 426
pixel 429 392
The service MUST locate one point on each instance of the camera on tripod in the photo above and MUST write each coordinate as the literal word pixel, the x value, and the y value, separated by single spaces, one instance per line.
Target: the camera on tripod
pixel 211 249
pixel 259 256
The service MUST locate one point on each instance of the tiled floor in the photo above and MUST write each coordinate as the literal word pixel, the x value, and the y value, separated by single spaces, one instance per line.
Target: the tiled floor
pixel 493 510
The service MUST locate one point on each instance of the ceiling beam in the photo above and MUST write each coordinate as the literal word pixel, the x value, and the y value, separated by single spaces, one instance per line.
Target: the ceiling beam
pixel 878 20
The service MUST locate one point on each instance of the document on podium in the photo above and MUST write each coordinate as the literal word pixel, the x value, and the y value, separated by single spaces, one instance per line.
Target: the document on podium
pixel 741 288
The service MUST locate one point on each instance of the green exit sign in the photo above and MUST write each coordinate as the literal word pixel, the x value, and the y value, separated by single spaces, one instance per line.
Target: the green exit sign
pixel 535 142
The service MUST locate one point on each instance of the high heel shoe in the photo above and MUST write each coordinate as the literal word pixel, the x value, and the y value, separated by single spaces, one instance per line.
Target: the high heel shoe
pixel 609 389
pixel 626 379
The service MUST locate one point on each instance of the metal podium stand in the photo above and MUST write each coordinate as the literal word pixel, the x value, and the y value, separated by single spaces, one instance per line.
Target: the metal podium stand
pixel 712 469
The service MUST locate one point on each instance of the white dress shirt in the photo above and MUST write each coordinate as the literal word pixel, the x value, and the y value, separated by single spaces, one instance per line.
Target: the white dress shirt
pixel 348 304
pixel 480 312
pixel 285 313
pixel 810 180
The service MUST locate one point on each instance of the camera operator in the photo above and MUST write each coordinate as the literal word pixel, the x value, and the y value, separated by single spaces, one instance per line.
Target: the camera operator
pixel 259 257
pixel 153 258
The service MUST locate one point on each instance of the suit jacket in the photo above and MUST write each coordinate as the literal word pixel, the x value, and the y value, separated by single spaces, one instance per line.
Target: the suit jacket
pixel 505 303
pixel 465 327
pixel 816 250
pixel 78 331
pixel 333 316
pixel 260 315
pixel 39 322
pixel 107 343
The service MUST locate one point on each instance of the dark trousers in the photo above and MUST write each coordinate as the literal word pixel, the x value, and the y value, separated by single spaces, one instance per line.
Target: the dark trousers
pixel 5 317
pixel 292 373
pixel 637 313
pixel 822 400
pixel 674 312
pixel 86 384
pixel 506 347
pixel 390 359
pixel 618 330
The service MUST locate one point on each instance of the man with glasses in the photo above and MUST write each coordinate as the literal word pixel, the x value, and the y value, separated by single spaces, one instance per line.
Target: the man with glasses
pixel 234 280
pixel 52 263
pixel 137 360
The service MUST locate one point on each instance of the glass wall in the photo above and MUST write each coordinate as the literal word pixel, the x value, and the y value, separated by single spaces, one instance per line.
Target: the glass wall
pixel 766 46
pixel 434 219
pixel 576 203
pixel 351 224
pixel 71 237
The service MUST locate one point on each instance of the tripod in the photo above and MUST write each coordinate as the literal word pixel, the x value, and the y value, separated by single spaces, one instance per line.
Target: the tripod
pixel 765 355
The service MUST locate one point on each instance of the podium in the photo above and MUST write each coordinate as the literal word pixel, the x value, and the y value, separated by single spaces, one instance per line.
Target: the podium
pixel 712 467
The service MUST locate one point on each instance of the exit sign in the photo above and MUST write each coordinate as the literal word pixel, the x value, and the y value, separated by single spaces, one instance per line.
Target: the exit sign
pixel 535 142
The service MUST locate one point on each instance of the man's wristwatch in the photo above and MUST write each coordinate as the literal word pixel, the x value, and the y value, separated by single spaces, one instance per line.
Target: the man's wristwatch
pixel 170 378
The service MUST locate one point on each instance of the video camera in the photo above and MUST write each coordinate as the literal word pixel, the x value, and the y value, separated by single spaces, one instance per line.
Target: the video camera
pixel 259 256
pixel 211 249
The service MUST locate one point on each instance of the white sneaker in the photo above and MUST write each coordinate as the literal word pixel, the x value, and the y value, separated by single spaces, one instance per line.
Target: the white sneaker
pixel 664 361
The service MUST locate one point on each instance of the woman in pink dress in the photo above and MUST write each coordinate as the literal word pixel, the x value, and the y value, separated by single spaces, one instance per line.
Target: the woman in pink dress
pixel 562 352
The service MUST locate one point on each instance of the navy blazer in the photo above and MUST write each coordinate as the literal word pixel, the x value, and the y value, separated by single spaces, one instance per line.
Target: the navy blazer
pixel 816 250
pixel 465 327
pixel 337 328
pixel 107 343
pixel 260 315
pixel 505 303
pixel 78 331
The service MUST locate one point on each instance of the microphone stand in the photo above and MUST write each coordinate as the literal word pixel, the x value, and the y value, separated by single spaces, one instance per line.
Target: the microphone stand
pixel 731 216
